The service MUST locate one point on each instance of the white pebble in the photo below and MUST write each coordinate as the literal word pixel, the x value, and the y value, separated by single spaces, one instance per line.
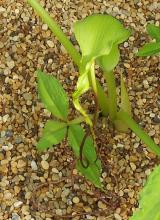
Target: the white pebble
pixel 50 43
pixel 17 204
pixel 5 148
pixel 44 27
pixel 117 216
pixel 34 165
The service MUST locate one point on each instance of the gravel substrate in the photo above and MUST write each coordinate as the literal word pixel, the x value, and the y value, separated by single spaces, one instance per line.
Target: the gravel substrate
pixel 38 186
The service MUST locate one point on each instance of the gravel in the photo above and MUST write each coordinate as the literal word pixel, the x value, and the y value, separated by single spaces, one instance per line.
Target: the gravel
pixel 32 184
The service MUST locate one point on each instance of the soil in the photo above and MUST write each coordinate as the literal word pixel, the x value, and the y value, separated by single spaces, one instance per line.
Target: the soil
pixel 38 185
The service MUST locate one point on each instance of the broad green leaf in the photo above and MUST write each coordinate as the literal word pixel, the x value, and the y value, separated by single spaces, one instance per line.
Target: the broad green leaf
pixel 109 62
pixel 154 31
pixel 53 133
pixel 149 49
pixel 92 172
pixel 53 95
pixel 97 34
pixel 149 204
pixel 128 120
pixel 75 137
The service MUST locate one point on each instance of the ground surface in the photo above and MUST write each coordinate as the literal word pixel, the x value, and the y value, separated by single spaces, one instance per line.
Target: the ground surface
pixel 25 45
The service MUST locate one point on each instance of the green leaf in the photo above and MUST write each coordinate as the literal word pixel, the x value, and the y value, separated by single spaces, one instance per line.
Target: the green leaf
pixel 53 133
pixel 75 137
pixel 92 172
pixel 154 31
pixel 127 119
pixel 149 198
pixel 82 86
pixel 109 62
pixel 53 95
pixel 97 34
pixel 149 49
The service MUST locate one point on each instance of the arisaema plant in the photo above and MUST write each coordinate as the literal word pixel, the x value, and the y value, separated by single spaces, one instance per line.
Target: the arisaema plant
pixel 99 37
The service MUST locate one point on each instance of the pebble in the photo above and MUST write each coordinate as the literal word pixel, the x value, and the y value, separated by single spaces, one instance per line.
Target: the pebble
pixel 156 119
pixel 21 163
pixel 9 133
pixel 10 64
pixel 1 45
pixel 6 147
pixel 54 170
pixel 2 140
pixel 18 204
pixel 27 96
pixel 127 65
pixel 75 200
pixel 133 166
pixel 5 118
pixel 50 43
pixel 45 27
pixel 45 164
pixel 58 212
pixel 15 216
pixel 101 205
pixel 18 140
pixel 34 165
pixel 117 216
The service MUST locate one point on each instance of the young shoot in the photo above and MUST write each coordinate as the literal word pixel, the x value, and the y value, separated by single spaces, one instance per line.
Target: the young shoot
pixel 99 37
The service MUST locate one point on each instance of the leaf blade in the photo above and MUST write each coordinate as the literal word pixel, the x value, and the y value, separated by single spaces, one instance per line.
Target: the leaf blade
pixel 149 49
pixel 127 119
pixel 154 31
pixel 75 136
pixel 149 198
pixel 53 95
pixel 109 62
pixel 53 133
pixel 101 32
pixel 92 173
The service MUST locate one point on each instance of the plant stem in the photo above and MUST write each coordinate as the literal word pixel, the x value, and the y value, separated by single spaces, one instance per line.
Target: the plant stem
pixel 112 96
pixel 103 99
pixel 127 119
pixel 56 30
